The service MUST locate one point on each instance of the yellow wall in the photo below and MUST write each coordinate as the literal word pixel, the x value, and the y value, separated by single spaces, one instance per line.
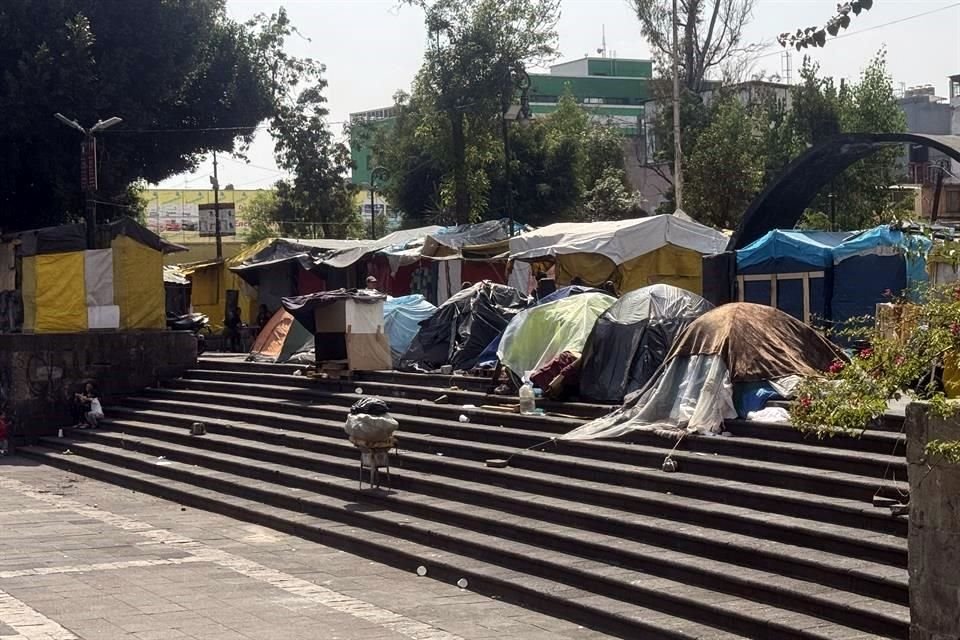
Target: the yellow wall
pixel 208 294
pixel 61 299
pixel 138 284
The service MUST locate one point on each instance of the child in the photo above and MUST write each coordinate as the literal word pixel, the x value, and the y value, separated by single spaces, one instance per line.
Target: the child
pixel 93 410
pixel 4 433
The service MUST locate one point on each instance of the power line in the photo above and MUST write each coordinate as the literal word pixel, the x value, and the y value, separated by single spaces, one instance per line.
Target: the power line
pixel 258 127
pixel 878 26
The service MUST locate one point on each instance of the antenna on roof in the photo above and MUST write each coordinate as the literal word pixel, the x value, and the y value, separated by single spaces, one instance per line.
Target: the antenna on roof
pixel 603 49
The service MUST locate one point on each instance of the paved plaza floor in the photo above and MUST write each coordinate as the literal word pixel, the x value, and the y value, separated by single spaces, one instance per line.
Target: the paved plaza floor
pixel 81 559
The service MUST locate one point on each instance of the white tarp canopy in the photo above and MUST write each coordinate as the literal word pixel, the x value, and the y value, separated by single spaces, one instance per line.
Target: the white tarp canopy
pixel 620 241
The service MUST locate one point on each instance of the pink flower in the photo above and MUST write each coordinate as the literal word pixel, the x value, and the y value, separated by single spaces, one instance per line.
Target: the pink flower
pixel 837 366
pixel 955 329
pixel 866 353
pixel 900 360
pixel 806 402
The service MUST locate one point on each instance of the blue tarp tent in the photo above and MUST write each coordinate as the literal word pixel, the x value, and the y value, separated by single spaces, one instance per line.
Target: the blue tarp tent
pixel 790 270
pixel 401 321
pixel 873 265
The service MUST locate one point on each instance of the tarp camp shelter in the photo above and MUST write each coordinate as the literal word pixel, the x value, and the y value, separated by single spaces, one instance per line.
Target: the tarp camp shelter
pixel 66 288
pixel 347 325
pixel 537 335
pixel 462 326
pixel 631 253
pixel 631 339
pixel 733 344
pixel 791 271
pixel 213 286
pixel 401 321
pixel 282 339
pixel 288 267
pixel 488 359
pixel 446 257
pixel 872 266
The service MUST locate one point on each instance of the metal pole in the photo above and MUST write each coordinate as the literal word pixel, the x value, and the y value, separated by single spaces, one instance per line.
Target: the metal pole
pixel 373 212
pixel 677 149
pixel 506 171
pixel 88 152
pixel 216 207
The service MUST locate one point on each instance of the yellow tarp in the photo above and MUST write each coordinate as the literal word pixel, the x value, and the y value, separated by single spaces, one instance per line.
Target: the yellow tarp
pixel 61 303
pixel 667 265
pixel 29 292
pixel 138 284
pixel 951 375
pixel 208 293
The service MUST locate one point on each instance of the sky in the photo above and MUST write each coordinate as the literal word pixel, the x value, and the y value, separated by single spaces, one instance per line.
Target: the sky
pixel 373 48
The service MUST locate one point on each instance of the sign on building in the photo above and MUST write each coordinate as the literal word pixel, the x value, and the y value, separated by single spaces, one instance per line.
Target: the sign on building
pixel 208 220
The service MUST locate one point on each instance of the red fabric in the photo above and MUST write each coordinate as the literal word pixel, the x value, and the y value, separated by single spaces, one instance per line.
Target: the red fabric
pixel 4 429
pixel 542 377
pixel 309 282
pixel 474 271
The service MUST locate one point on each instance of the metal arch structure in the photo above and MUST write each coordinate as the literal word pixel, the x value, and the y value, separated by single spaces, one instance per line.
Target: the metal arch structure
pixel 783 202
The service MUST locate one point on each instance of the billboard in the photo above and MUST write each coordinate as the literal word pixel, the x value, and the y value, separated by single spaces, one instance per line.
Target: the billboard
pixel 208 220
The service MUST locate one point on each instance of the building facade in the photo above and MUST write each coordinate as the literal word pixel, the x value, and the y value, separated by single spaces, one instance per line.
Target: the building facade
pixel 927 168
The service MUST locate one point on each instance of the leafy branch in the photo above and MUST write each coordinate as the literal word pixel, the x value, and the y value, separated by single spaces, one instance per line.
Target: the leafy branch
pixel 817 36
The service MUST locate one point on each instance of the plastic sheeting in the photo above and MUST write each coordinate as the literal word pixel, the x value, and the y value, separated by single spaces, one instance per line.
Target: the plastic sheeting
pixel 631 339
pixel 693 394
pixel 462 326
pixel 281 339
pixel 401 321
pixel 784 251
pixel 489 356
pixel 538 335
pixel 103 317
pixel 8 267
pixel 618 241
pixel 61 305
pixel 98 277
pixel 138 284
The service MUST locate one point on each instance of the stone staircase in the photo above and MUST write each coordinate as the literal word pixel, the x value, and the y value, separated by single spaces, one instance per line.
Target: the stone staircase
pixel 764 534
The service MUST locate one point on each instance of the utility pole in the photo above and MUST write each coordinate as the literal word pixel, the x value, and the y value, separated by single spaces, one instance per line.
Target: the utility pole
pixel 677 149
pixel 373 211
pixel 215 181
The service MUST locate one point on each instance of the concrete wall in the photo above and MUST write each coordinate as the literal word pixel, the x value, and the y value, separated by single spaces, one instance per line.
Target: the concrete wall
pixel 934 542
pixel 40 373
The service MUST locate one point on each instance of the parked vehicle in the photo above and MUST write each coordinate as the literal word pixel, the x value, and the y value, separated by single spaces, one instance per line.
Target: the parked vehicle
pixel 197 323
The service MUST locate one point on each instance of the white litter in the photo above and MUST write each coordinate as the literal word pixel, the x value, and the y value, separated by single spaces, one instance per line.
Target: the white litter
pixel 770 414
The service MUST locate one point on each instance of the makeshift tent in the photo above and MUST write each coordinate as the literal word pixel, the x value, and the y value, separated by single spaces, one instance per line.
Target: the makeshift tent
pixel 790 270
pixel 347 326
pixel 874 265
pixel 694 391
pixel 177 290
pixel 631 253
pixel 282 339
pixel 401 321
pixel 67 288
pixel 488 359
pixel 631 339
pixel 537 335
pixel 462 326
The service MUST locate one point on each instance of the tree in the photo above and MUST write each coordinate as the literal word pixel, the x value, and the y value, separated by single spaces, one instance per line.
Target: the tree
pixel 711 34
pixel 261 213
pixel 725 171
pixel 318 200
pixel 610 198
pixel 817 36
pixel 474 48
pixel 185 79
pixel 862 195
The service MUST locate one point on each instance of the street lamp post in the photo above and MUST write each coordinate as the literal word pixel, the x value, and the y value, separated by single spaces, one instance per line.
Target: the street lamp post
pixel 88 169
pixel 513 79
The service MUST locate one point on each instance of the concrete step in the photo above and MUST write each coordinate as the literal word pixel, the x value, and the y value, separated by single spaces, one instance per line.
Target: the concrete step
pixel 408 390
pixel 519 542
pixel 696 544
pixel 547 596
pixel 615 455
pixel 866 463
pixel 326 437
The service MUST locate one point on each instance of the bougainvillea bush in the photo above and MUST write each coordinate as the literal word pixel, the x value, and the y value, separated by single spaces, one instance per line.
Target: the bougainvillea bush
pixel 904 358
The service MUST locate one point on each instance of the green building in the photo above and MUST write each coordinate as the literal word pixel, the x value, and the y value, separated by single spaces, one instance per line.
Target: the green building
pixel 613 89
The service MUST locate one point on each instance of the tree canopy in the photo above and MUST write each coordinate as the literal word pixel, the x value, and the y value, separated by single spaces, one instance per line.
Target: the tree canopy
pixel 185 79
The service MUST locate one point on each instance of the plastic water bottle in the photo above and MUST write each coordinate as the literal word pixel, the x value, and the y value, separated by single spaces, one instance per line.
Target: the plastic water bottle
pixel 528 399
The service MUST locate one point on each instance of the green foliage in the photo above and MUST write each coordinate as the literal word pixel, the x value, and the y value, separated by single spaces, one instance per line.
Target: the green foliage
pixel 476 51
pixel 166 68
pixel 733 151
pixel 261 213
pixel 896 363
pixel 610 198
pixel 945 451
pixel 725 172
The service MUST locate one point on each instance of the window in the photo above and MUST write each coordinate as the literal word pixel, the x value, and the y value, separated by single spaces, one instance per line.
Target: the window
pixel 953 201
